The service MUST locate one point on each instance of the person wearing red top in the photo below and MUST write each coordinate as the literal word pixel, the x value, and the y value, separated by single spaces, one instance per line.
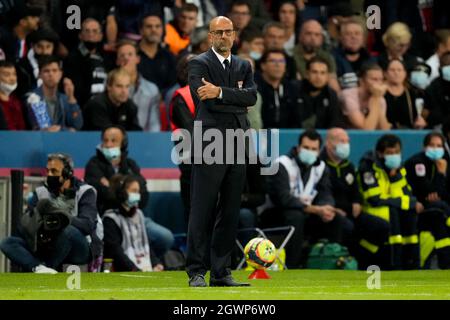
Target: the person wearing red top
pixel 11 115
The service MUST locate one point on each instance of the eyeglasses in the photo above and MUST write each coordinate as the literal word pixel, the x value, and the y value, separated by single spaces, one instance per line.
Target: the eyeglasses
pixel 219 33
pixel 277 61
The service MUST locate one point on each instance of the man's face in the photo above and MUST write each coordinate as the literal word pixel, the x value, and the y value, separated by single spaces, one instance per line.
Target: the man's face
pixel 51 75
pixel 55 168
pixel 308 144
pixel 112 138
pixel 222 35
pixel 373 77
pixel 287 14
pixel 311 36
pixel 8 75
pixel 318 75
pixel 257 45
pixel 435 142
pixel 274 39
pixel 91 31
pixel 339 136
pixel 240 15
pixel 187 21
pixel 44 48
pixel 392 151
pixel 444 47
pixel 275 66
pixel 352 37
pixel 30 23
pixel 152 30
pixel 118 90
pixel 127 57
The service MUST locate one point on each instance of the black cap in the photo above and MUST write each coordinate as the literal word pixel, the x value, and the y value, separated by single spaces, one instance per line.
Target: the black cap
pixel 43 34
pixel 343 9
pixel 422 66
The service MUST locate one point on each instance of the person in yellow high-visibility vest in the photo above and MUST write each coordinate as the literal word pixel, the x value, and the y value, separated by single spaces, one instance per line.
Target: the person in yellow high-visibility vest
pixel 387 195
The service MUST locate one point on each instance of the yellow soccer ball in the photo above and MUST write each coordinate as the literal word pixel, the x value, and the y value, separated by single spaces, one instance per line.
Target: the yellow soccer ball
pixel 260 253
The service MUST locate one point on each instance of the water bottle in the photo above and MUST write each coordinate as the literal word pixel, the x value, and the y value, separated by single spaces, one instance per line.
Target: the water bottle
pixel 39 109
pixel 107 265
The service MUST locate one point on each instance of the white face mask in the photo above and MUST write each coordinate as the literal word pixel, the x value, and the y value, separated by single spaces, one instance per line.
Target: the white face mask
pixel 7 88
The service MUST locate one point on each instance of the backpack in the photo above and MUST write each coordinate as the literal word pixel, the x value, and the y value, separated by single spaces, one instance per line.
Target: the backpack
pixel 327 255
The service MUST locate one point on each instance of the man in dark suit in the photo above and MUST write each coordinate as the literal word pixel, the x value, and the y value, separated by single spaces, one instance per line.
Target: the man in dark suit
pixel 222 88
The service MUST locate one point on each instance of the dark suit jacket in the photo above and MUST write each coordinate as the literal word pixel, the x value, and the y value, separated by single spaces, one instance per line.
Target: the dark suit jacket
pixel 238 92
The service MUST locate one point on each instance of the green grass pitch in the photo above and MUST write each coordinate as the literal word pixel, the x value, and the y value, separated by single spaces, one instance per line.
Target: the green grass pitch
pixel 285 285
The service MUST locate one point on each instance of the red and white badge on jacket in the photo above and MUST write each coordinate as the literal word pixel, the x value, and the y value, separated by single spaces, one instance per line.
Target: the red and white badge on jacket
pixel 421 170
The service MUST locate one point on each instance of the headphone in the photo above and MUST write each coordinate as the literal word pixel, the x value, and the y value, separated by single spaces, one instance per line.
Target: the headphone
pixel 67 171
pixel 124 145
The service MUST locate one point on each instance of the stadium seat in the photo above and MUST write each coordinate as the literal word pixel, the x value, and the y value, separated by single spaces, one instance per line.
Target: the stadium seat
pixel 166 208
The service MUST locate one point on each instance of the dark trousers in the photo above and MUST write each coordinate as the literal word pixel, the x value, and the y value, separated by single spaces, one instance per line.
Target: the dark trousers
pixel 434 220
pixel 304 224
pixel 215 202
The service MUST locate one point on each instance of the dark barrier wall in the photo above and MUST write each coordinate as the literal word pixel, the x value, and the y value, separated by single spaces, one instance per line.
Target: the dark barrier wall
pixel 152 150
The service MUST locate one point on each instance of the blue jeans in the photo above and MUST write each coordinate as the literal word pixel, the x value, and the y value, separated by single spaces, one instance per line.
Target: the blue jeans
pixel 70 247
pixel 161 239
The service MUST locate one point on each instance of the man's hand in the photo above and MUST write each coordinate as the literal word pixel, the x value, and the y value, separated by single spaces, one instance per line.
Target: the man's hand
pixel 441 166
pixel 104 182
pixel 378 90
pixel 419 207
pixel 158 267
pixel 327 213
pixel 54 128
pixel 340 212
pixel 208 91
pixel 356 210
pixel 433 197
pixel 69 90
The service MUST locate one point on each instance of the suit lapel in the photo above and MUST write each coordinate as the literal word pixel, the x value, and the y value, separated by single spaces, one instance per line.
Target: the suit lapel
pixel 218 67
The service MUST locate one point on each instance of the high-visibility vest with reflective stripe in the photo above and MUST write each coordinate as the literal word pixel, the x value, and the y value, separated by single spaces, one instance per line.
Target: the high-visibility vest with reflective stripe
pixel 386 189
pixel 185 93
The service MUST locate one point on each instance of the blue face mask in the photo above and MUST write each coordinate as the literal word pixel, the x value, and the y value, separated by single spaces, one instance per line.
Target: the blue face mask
pixel 393 161
pixel 111 153
pixel 255 55
pixel 342 150
pixel 434 153
pixel 419 79
pixel 133 199
pixel 307 157
pixel 446 73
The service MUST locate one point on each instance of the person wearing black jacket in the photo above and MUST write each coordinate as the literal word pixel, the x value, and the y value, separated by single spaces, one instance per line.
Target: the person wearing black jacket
pixel 300 195
pixel 279 95
pixel 437 95
pixel 112 158
pixel 318 105
pixel 80 242
pixel 427 175
pixel 113 107
pixel 126 241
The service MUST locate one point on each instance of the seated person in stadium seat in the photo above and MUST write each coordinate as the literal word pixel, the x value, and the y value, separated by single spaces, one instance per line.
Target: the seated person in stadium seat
pixel 387 195
pixel 437 95
pixel 427 175
pixel 80 242
pixel 145 94
pixel 318 104
pixel 44 43
pixel 112 158
pixel 114 106
pixel 61 110
pixel 358 226
pixel 126 240
pixel 179 30
pixel 401 101
pixel 365 106
pixel 300 195
pixel 11 108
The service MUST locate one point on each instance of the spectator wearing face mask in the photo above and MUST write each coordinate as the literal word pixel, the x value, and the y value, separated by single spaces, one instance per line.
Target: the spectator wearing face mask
pixel 112 158
pixel 437 95
pixel 11 108
pixel 427 174
pixel 300 195
pixel 126 240
pixel 252 43
pixel 87 66
pixel 443 46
